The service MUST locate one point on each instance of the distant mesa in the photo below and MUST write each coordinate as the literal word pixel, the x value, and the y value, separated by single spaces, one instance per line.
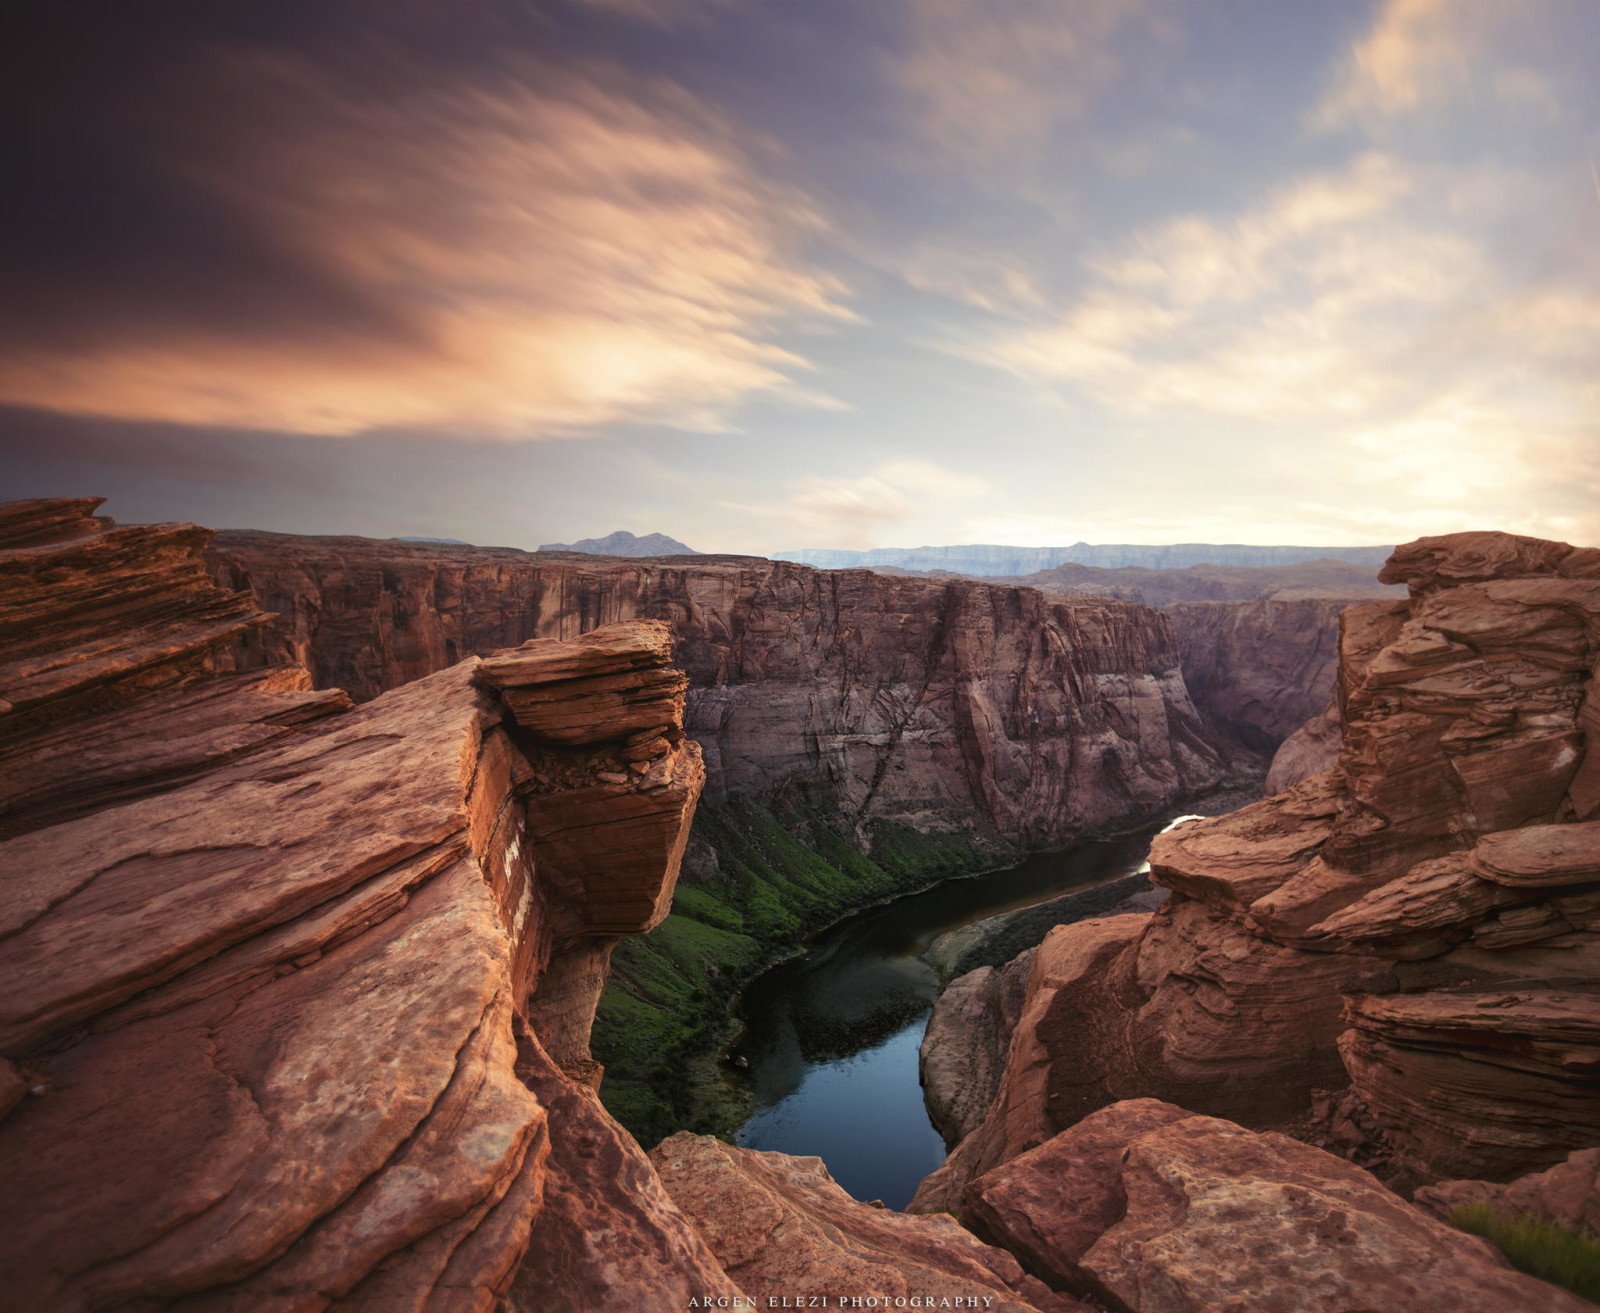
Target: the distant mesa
pixel 622 543
pixel 418 538
pixel 983 559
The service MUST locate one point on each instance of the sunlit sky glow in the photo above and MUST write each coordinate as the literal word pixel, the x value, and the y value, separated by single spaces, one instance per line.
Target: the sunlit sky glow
pixel 763 274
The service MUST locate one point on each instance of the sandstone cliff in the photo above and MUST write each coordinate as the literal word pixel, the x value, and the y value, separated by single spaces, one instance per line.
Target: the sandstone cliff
pixel 295 1017
pixel 1419 925
pixel 941 705
pixel 1259 670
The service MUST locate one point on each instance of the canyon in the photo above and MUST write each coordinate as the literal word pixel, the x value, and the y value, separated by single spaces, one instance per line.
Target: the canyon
pixel 863 734
pixel 1398 958
pixel 299 982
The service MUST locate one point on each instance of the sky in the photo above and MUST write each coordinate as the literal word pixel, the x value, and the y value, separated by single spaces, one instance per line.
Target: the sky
pixel 770 274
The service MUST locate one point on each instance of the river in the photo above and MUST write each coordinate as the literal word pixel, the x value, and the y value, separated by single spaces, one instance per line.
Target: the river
pixel 831 1037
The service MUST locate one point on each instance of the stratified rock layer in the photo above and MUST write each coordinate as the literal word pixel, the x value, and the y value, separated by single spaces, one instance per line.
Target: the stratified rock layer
pixel 1422 923
pixel 945 705
pixel 283 1026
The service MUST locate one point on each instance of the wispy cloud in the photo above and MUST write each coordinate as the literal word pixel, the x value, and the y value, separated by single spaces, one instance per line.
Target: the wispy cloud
pixel 1420 54
pixel 980 76
pixel 853 511
pixel 548 254
pixel 1302 307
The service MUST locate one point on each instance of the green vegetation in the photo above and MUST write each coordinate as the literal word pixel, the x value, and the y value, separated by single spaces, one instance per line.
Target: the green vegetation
pixel 763 880
pixel 1552 1253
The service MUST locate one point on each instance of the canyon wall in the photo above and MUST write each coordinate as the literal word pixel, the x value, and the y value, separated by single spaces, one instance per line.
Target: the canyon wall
pixel 938 705
pixel 1259 670
pixel 295 1001
pixel 1419 928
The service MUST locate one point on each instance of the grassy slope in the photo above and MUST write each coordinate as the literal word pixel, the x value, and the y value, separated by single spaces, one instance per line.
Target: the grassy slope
pixel 779 876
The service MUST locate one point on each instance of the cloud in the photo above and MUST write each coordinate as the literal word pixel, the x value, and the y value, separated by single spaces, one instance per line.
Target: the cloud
pixel 851 511
pixel 980 76
pixel 514 250
pixel 1306 306
pixel 1421 54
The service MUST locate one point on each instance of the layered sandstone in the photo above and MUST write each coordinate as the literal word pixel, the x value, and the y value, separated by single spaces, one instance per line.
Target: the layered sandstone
pixel 943 705
pixel 1145 1207
pixel 1419 924
pixel 306 1027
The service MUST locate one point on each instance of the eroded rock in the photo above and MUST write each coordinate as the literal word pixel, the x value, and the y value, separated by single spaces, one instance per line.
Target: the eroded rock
pixel 781 1227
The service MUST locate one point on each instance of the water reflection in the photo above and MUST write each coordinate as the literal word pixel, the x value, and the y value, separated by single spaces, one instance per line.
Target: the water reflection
pixel 831 1039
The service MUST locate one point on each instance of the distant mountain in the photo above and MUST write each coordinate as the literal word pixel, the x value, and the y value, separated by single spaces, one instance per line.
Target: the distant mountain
pixel 983 559
pixel 622 543
pixel 1217 583
pixel 416 538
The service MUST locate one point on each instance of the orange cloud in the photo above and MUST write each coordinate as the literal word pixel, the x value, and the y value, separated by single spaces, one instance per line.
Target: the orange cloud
pixel 549 255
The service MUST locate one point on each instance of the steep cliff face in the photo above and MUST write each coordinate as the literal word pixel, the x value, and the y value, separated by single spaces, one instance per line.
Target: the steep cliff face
pixel 938 705
pixel 1259 669
pixel 303 1024
pixel 1418 925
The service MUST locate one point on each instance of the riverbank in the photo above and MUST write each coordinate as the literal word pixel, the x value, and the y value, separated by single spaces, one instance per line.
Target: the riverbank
pixel 760 884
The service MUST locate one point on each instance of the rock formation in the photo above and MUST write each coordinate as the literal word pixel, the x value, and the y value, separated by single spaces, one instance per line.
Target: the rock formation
pixel 955 706
pixel 1146 1207
pixel 1418 925
pixel 295 998
pixel 1566 1195
pixel 1259 670
pixel 781 1228
pixel 963 1049
pixel 296 1018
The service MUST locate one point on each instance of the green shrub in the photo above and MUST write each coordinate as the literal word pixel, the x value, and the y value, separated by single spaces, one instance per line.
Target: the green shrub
pixel 1542 1249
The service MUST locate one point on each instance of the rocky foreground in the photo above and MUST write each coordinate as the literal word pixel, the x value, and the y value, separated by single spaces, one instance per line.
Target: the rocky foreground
pixel 295 995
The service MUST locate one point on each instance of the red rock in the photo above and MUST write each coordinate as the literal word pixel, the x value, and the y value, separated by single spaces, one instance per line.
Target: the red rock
pixel 1232 861
pixel 1311 750
pixel 1260 669
pixel 963 1050
pixel 781 1227
pixel 608 1237
pixel 1567 1195
pixel 1448 852
pixel 1479 1084
pixel 282 1017
pixel 1429 564
pixel 1540 855
pixel 1219 1219
pixel 1050 1205
pixel 1149 1208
